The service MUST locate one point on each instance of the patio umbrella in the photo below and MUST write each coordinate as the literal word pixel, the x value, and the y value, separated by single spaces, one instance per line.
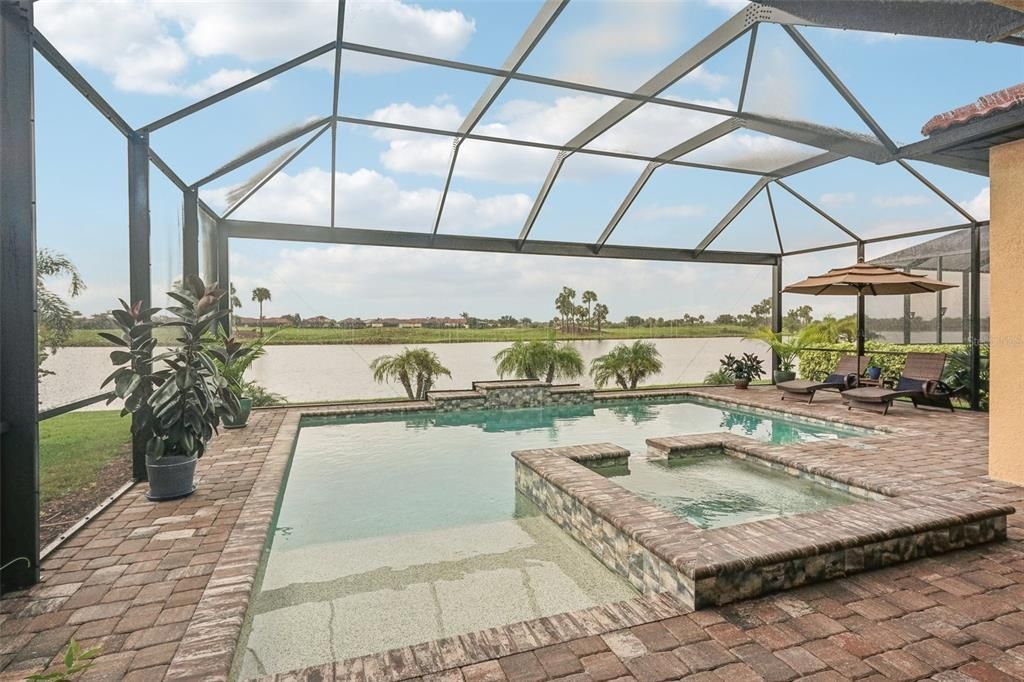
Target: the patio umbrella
pixel 864 279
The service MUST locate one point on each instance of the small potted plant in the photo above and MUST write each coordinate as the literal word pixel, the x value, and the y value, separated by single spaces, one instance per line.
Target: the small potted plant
pixel 178 398
pixel 744 369
pixel 238 359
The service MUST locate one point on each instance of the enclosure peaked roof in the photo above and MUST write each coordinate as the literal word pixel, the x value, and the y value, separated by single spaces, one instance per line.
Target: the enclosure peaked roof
pixel 865 279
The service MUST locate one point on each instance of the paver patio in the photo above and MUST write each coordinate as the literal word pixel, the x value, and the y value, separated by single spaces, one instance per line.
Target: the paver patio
pixel 163 588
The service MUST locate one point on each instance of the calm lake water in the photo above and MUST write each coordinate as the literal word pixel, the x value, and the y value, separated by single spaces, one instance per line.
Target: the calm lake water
pixel 331 372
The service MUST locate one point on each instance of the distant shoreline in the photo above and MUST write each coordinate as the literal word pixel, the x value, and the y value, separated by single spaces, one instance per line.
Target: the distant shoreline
pixel 292 336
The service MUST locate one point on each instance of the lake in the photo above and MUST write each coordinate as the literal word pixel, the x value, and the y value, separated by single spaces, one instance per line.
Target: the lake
pixel 334 372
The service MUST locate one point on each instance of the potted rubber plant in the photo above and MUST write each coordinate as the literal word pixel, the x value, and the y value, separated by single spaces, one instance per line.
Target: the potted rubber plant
pixel 178 398
pixel 238 358
pixel 743 369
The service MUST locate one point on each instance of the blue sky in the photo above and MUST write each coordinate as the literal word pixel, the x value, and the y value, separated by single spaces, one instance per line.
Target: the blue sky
pixel 154 58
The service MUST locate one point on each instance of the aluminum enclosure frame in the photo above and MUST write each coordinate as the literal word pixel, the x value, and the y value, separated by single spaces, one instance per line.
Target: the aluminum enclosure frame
pixel 203 225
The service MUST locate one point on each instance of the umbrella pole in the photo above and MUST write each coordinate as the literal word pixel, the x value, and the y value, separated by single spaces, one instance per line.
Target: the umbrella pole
pixel 860 324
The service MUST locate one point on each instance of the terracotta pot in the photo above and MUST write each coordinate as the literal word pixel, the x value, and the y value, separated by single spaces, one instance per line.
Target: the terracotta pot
pixel 741 383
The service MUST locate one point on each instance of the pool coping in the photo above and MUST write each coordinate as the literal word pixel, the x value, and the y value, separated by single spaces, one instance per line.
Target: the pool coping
pixel 207 649
pixel 656 550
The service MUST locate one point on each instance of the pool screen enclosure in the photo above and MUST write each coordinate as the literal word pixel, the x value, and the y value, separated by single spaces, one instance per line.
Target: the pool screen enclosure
pixel 963 148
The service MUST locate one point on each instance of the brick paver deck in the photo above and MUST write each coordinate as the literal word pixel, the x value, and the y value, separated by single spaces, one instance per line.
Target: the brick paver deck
pixel 163 588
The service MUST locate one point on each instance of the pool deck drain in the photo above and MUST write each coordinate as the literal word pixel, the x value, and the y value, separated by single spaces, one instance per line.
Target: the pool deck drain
pixel 163 587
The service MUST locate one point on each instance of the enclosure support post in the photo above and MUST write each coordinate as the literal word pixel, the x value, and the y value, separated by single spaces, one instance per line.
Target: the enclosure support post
pixel 975 316
pixel 19 431
pixel 776 309
pixel 965 307
pixel 938 303
pixel 208 234
pixel 224 276
pixel 861 316
pixel 190 233
pixel 138 253
pixel 906 317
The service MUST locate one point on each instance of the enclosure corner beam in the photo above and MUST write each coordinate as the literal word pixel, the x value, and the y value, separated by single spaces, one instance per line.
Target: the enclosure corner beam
pixel 19 390
pixel 840 87
pixel 776 310
pixel 139 254
pixel 334 108
pixel 190 232
pixel 731 215
pixel 538 27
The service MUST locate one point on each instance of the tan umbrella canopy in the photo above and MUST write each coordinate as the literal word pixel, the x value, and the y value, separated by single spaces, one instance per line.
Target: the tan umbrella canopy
pixel 864 279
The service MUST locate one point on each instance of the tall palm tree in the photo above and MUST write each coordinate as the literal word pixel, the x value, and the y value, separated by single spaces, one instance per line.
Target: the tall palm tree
pixel 626 365
pixel 261 294
pixel 589 297
pixel 416 369
pixel 565 303
pixel 600 315
pixel 536 359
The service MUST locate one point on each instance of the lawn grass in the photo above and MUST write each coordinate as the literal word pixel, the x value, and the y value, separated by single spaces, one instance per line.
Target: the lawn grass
pixel 74 447
pixel 395 335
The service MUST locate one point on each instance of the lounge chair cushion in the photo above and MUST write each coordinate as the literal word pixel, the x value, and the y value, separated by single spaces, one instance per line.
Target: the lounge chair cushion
pixel 910 384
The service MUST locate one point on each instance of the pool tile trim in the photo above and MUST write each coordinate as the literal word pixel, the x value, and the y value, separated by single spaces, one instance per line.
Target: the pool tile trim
pixel 657 551
pixel 230 452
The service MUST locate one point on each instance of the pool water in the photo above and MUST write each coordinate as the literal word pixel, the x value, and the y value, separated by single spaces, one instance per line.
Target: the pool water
pixel 714 489
pixel 398 529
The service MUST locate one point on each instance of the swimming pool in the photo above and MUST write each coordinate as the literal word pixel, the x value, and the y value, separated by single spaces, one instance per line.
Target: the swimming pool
pixel 397 529
pixel 711 489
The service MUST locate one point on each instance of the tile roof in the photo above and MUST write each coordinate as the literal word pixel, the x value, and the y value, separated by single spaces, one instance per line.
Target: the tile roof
pixel 986 105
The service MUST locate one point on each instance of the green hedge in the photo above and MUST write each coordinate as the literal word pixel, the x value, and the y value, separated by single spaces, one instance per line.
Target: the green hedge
pixel 818 364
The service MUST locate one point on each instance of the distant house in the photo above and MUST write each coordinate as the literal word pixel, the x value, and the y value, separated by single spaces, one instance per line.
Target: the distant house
pixel 267 322
pixel 319 322
pixel 351 323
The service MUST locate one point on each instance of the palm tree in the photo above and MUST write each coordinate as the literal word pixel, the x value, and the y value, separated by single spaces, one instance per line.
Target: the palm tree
pixel 261 294
pixel 233 302
pixel 589 297
pixel 626 365
pixel 55 315
pixel 565 303
pixel 533 359
pixel 416 369
pixel 600 315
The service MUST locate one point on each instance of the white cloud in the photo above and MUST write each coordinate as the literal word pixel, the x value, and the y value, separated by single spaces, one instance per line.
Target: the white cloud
pixel 837 198
pixel 622 40
pixel 731 6
pixel 220 80
pixel 648 131
pixel 978 206
pixel 654 212
pixel 152 48
pixel 346 280
pixel 368 199
pixel 899 201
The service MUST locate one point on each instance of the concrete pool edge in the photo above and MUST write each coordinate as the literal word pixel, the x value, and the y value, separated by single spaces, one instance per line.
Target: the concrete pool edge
pixel 656 551
pixel 208 646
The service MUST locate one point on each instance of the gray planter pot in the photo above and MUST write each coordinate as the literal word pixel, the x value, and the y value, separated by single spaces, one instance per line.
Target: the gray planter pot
pixel 171 477
pixel 783 375
pixel 242 418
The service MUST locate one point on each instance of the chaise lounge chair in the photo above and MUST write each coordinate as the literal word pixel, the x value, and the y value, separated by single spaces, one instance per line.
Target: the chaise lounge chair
pixel 844 377
pixel 921 382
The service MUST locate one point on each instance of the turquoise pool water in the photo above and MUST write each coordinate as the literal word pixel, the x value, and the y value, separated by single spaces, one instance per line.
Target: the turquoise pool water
pixel 397 529
pixel 714 489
